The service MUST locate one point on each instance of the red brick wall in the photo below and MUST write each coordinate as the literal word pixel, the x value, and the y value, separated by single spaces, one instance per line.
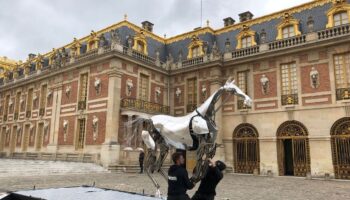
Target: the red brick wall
pixel 72 98
pixel 70 131
pixel 125 77
pixel 104 87
pixel 272 92
pixel 323 71
pixel 101 129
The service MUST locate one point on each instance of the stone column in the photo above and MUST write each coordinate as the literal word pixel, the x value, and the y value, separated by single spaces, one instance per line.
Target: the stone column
pixel 55 118
pixel 110 149
pixel 215 84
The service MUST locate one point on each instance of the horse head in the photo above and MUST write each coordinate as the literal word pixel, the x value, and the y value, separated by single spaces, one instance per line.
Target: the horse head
pixel 232 88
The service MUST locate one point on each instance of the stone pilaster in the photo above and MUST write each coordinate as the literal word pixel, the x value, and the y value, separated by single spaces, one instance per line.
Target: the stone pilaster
pixel 55 119
pixel 110 148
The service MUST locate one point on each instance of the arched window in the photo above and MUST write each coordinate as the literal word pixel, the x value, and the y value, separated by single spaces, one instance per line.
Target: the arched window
pixel 196 52
pixel 140 43
pixel 340 18
pixel 140 46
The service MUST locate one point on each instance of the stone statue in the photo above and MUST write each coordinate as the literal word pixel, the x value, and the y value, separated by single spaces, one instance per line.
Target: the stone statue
pixel 102 42
pixel 95 127
pixel 314 78
pixel 204 91
pixel 115 38
pixel 174 132
pixel 129 87
pixel 178 93
pixel 97 85
pixel 65 129
pixel 158 92
pixel 265 84
pixel 68 89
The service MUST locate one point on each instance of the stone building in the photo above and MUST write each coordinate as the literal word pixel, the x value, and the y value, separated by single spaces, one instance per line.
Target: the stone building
pixel 73 103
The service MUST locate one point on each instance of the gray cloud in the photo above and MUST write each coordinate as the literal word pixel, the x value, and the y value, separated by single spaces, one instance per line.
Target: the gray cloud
pixel 37 26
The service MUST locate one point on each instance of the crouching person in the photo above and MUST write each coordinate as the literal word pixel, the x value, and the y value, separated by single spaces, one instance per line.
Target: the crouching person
pixel 206 190
pixel 178 181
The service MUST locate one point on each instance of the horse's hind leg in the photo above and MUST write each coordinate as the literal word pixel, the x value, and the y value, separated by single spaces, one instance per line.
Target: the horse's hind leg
pixel 164 150
pixel 149 165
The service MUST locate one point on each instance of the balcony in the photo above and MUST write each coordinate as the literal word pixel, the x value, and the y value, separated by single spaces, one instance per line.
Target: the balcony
pixel 144 106
pixel 193 61
pixel 191 107
pixel 334 32
pixel 245 52
pixel 42 112
pixel 81 105
pixel 343 93
pixel 289 99
pixel 288 42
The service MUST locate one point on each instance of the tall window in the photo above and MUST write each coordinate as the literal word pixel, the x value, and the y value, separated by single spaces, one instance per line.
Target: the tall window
pixel 242 83
pixel 143 87
pixel 342 75
pixel 42 100
pixel 81 134
pixel 247 42
pixel 288 32
pixel 6 108
pixel 196 52
pixel 18 96
pixel 289 84
pixel 83 91
pixel 191 94
pixel 29 102
pixel 340 18
pixel 140 46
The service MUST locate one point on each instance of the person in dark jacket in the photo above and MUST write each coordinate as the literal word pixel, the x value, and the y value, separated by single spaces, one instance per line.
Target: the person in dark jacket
pixel 141 158
pixel 178 181
pixel 206 190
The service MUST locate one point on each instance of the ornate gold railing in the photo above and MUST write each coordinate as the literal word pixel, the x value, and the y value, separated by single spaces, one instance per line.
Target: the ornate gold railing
pixel 144 106
pixel 290 99
pixel 343 93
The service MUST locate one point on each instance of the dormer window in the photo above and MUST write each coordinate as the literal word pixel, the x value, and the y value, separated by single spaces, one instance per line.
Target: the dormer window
pixel 195 49
pixel 196 52
pixel 246 38
pixel 246 42
pixel 340 18
pixel 288 32
pixel 288 27
pixel 338 14
pixel 140 46
pixel 140 43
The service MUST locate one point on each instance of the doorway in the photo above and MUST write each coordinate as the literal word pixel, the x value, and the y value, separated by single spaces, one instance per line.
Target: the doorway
pixel 288 157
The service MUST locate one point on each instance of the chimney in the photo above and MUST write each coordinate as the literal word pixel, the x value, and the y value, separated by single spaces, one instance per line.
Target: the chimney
pixel 147 26
pixel 31 55
pixel 229 21
pixel 245 16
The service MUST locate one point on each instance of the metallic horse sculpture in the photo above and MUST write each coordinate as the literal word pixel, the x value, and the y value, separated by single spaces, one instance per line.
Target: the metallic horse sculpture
pixel 196 131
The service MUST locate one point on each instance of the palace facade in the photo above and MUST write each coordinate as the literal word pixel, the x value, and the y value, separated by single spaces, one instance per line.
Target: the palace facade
pixel 74 102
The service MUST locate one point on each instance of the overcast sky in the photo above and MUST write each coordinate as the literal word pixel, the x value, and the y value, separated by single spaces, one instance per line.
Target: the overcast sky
pixel 37 26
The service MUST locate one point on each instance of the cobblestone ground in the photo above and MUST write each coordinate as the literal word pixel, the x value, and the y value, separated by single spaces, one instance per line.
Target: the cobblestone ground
pixel 232 187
